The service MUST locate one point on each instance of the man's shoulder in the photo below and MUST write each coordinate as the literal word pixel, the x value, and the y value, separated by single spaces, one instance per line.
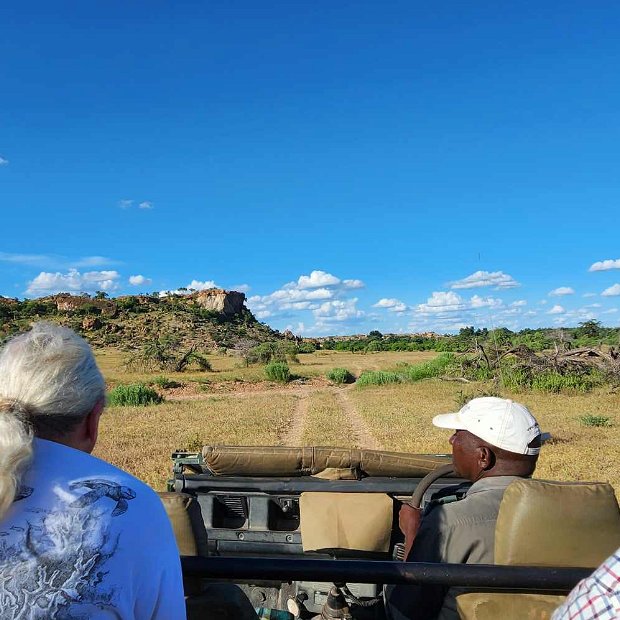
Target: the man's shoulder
pixel 479 505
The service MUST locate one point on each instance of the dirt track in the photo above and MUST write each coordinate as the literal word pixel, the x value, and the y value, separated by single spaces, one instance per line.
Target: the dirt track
pixel 293 437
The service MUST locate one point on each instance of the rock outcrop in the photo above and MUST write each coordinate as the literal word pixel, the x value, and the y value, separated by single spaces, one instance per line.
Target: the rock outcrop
pixel 218 300
pixel 70 303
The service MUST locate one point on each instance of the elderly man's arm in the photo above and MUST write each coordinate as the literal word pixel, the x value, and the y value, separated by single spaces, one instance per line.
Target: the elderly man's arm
pixel 427 545
pixel 409 521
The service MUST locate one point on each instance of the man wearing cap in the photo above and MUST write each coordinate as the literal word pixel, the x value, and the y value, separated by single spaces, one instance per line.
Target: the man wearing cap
pixel 496 441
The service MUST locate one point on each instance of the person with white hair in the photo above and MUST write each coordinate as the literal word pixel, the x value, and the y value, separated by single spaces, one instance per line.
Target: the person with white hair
pixel 79 538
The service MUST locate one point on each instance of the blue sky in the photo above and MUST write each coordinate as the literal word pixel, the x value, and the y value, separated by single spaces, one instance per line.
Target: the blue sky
pixel 401 166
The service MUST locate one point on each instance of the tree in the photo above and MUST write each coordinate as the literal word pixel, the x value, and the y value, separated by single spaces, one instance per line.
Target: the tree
pixel 101 295
pixel 591 328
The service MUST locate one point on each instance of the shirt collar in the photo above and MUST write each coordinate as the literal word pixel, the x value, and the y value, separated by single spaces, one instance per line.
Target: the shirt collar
pixel 492 483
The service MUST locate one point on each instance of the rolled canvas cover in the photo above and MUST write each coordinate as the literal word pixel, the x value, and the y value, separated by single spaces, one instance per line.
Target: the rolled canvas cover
pixel 353 521
pixel 284 461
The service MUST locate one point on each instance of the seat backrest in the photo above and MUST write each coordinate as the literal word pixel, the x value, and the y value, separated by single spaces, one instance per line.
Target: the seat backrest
pixel 186 519
pixel 545 523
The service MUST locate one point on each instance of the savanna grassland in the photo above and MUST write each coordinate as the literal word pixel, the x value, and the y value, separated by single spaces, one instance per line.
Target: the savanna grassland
pixel 236 405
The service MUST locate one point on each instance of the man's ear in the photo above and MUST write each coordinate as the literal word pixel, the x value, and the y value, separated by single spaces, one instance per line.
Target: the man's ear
pixel 486 458
pixel 91 428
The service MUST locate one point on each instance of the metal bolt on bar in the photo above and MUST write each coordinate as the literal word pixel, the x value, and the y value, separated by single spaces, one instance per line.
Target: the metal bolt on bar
pixel 250 569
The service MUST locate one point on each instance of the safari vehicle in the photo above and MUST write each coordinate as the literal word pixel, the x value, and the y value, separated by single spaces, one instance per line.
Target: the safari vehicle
pixel 313 532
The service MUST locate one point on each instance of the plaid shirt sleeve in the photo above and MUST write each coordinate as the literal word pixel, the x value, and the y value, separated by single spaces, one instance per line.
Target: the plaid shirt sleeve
pixel 595 598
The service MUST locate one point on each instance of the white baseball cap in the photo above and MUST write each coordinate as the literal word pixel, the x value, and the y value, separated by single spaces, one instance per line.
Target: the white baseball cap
pixel 498 421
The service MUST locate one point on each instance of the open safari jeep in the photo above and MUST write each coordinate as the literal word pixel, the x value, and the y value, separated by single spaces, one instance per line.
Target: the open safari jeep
pixel 313 530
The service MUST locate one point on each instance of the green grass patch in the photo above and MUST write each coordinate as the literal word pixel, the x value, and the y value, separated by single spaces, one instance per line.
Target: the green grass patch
pixel 340 376
pixel 595 420
pixel 554 383
pixel 165 383
pixel 132 395
pixel 409 373
pixel 427 370
pixel 378 377
pixel 278 371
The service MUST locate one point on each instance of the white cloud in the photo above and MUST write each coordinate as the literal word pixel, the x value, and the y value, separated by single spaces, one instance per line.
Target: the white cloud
pixel 93 261
pixel 241 288
pixel 55 262
pixel 317 279
pixel 199 285
pixel 519 303
pixel 610 311
pixel 485 302
pixel 4 161
pixel 337 310
pixel 557 309
pixel 307 293
pixel 605 265
pixel 441 301
pixel 393 305
pixel 139 280
pixel 589 295
pixel 497 279
pixel 612 291
pixel 127 203
pixel 562 290
pixel 353 284
pixel 47 283
pixel 263 314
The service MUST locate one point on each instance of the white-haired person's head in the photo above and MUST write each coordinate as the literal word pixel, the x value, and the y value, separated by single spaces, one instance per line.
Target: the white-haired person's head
pixel 50 386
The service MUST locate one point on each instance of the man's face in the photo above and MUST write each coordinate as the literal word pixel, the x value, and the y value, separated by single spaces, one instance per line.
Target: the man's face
pixel 465 454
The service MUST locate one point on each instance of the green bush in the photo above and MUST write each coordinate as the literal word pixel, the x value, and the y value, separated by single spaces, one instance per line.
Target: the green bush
pixel 426 370
pixel 555 383
pixel 340 376
pixel 201 361
pixel 278 371
pixel 165 383
pixel 273 352
pixel 306 347
pixel 378 377
pixel 595 420
pixel 133 394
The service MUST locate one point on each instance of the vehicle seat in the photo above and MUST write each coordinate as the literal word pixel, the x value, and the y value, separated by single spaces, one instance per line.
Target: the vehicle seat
pixel 544 523
pixel 203 600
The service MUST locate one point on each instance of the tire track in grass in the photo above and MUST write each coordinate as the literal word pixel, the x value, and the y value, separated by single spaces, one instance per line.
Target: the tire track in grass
pixel 296 430
pixel 365 438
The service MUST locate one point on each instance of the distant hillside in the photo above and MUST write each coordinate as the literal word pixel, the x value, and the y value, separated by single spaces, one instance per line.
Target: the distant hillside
pixel 210 319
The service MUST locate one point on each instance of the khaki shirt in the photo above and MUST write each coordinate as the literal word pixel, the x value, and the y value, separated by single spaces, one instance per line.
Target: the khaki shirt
pixel 461 532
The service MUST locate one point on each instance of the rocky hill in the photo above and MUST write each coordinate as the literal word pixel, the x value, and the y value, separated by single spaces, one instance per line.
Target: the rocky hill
pixel 209 320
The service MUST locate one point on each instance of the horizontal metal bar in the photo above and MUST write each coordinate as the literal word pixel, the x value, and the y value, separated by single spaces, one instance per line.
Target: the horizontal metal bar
pixel 197 483
pixel 249 569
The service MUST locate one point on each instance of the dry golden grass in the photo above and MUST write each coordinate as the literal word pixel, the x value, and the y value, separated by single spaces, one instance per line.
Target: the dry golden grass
pixel 320 362
pixel 400 417
pixel 326 423
pixel 140 440
pixel 229 368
